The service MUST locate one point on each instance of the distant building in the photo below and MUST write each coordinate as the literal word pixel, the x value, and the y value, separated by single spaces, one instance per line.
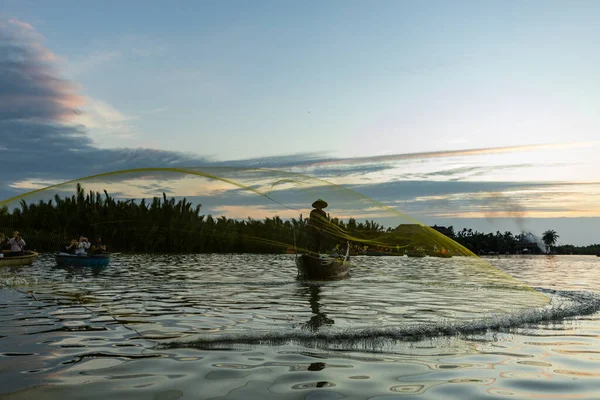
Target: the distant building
pixel 419 229
pixel 527 248
pixel 444 231
pixel 409 228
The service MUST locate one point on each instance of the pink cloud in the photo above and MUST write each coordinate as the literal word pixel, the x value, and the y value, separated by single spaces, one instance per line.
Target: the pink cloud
pixel 21 24
pixel 27 64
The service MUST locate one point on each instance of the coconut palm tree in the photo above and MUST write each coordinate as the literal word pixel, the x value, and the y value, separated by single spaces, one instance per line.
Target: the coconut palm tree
pixel 549 238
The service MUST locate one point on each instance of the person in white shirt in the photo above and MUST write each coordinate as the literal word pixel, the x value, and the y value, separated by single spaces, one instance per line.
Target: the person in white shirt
pixel 17 244
pixel 83 246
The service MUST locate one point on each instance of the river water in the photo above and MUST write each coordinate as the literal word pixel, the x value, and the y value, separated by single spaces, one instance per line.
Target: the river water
pixel 242 327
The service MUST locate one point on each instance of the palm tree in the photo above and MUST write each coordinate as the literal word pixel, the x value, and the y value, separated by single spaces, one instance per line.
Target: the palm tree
pixel 549 238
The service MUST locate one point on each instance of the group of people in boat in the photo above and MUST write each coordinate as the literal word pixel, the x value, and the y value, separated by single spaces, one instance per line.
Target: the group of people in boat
pixel 83 247
pixel 15 246
pixel 11 247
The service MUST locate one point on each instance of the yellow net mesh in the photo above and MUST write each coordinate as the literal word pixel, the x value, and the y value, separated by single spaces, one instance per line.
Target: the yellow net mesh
pixel 171 210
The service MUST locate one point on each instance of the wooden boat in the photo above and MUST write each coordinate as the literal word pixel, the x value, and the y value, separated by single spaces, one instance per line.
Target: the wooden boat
pixel 313 267
pixel 27 258
pixel 90 260
pixel 320 268
pixel 416 254
pixel 442 255
pixel 375 253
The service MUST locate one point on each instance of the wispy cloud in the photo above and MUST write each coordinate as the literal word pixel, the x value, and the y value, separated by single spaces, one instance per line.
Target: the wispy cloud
pixel 141 45
pixel 490 200
pixel 91 62
pixel 46 136
pixel 30 88
pixel 155 110
pixel 106 124
pixel 446 154
pixel 42 124
pixel 105 52
pixel 465 164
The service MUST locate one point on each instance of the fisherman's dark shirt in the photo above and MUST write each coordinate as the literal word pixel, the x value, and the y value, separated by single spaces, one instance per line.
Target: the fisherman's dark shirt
pixel 318 218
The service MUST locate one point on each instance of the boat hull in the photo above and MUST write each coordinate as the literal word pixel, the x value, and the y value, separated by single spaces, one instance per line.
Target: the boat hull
pixel 416 255
pixel 16 261
pixel 318 268
pixel 98 260
pixel 442 255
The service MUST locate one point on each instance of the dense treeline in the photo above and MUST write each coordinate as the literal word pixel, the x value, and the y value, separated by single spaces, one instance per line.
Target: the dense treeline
pixel 168 226
pixel 501 243
pixel 507 242
pixel 162 225
pixel 570 249
pixel 479 242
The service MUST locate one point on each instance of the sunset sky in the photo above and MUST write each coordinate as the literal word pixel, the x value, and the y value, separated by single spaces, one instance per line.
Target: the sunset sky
pixel 479 114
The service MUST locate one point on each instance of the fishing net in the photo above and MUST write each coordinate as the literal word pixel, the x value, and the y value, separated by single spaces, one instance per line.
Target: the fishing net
pixel 244 210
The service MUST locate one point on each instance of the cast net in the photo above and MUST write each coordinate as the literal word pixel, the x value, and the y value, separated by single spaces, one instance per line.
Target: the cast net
pixel 165 214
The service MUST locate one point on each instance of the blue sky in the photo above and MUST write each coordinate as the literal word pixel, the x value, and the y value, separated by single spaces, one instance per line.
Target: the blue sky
pixel 323 88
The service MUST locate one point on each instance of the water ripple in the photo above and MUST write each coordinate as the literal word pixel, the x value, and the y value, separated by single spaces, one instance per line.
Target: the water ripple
pixel 199 328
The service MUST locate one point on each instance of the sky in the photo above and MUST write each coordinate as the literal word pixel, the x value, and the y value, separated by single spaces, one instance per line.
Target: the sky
pixel 465 113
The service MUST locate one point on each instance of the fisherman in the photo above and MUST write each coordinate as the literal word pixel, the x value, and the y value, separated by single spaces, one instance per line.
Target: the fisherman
pixel 316 224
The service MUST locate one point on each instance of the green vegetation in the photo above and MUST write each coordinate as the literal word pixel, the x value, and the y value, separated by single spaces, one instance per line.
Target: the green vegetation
pixel 496 243
pixel 549 237
pixel 584 250
pixel 168 226
pixel 507 242
pixel 162 225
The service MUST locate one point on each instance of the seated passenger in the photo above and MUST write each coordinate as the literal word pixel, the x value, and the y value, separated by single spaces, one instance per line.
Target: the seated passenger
pixel 3 242
pixel 71 247
pixel 82 246
pixel 98 247
pixel 17 244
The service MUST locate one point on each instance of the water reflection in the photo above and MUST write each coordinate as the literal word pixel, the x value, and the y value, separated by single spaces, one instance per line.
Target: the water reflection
pixel 81 272
pixel 319 318
pixel 96 326
pixel 317 366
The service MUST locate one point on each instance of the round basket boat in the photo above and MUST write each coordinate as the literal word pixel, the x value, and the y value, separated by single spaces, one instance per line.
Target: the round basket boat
pixel 322 268
pixel 27 258
pixel 90 260
pixel 317 267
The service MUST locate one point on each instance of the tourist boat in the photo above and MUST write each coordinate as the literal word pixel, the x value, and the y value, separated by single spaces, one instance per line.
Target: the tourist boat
pixel 27 258
pixel 90 260
pixel 375 253
pixel 313 267
pixel 442 255
pixel 416 254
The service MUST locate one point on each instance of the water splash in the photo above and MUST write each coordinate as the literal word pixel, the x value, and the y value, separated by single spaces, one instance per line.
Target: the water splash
pixel 564 304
